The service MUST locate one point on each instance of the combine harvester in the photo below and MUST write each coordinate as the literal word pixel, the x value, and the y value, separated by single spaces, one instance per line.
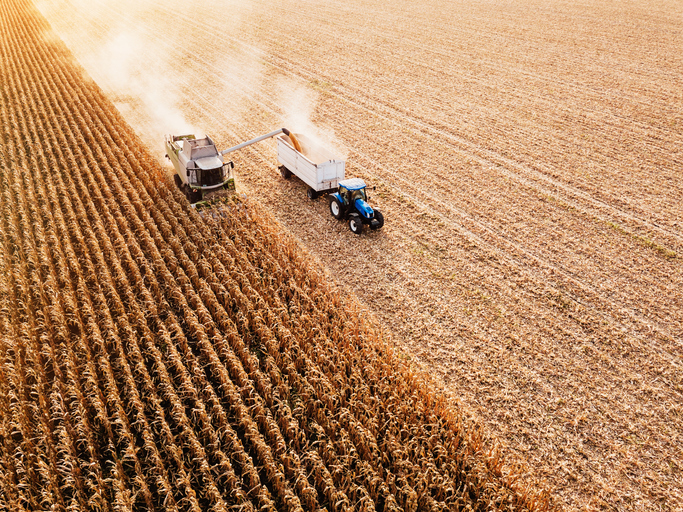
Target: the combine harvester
pixel 202 171
pixel 199 168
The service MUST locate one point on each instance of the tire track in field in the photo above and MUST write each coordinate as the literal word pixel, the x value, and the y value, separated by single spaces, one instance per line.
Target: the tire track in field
pixel 523 174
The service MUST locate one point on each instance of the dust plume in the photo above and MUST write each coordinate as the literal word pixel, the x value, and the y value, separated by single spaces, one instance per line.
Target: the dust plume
pixel 208 80
pixel 125 62
pixel 298 104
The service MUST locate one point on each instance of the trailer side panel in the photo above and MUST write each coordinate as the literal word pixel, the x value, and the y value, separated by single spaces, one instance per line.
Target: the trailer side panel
pixel 322 176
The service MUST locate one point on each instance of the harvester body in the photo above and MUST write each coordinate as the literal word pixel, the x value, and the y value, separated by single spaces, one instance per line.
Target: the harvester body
pixel 199 167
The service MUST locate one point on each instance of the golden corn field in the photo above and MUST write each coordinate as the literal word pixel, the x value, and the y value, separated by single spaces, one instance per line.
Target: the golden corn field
pixel 528 159
pixel 153 359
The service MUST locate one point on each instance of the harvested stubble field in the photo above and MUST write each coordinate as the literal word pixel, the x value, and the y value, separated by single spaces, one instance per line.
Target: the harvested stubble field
pixel 154 358
pixel 528 160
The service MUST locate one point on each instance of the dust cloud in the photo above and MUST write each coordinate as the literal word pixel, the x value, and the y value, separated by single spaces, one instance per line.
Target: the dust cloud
pixel 140 82
pixel 298 104
pixel 123 59
pixel 164 80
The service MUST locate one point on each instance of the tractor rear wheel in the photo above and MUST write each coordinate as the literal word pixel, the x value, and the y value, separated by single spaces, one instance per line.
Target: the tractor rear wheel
pixel 286 173
pixel 355 225
pixel 311 193
pixel 336 208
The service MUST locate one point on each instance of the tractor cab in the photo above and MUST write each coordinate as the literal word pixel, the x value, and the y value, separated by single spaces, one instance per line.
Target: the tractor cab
pixel 352 195
pixel 352 189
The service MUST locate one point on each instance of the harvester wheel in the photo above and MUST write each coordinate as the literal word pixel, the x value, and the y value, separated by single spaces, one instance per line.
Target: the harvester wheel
pixel 355 225
pixel 311 193
pixel 195 196
pixel 178 181
pixel 185 189
pixel 286 173
pixel 336 208
pixel 380 220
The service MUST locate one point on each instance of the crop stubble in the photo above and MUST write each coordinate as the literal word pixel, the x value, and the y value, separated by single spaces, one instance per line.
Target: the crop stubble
pixel 154 359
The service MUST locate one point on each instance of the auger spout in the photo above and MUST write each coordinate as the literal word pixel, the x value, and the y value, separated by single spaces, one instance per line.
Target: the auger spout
pixel 289 134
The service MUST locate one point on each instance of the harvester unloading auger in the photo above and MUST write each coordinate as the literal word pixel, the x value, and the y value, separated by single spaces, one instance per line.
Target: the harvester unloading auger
pixel 201 170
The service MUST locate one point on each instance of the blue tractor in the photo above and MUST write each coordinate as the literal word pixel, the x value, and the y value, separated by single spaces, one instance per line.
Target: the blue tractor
pixel 350 202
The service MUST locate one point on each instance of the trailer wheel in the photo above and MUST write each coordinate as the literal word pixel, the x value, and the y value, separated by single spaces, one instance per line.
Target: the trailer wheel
pixel 311 193
pixel 380 220
pixel 355 225
pixel 178 182
pixel 286 173
pixel 336 208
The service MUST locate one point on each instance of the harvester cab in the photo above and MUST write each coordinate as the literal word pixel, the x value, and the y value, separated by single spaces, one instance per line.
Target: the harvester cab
pixel 350 202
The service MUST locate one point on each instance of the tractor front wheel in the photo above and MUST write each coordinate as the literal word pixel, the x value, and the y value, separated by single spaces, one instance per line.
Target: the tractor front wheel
pixel 336 208
pixel 380 220
pixel 355 225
